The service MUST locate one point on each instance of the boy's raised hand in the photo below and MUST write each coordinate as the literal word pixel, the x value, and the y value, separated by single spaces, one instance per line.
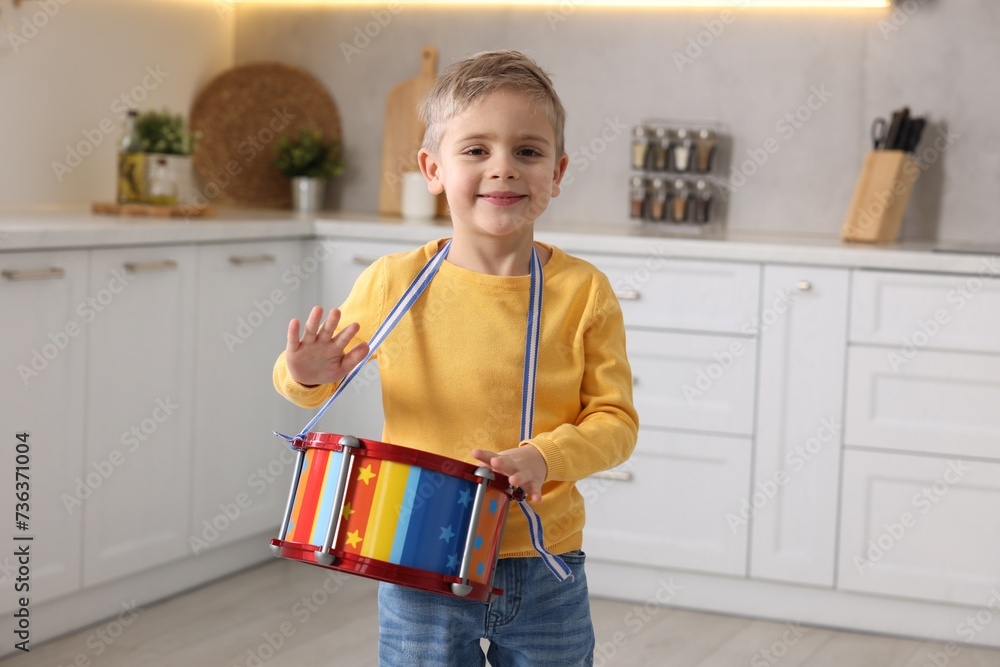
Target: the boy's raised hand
pixel 319 358
pixel 524 466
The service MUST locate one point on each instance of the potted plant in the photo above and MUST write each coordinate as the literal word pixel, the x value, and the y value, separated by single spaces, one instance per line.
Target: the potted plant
pixel 309 160
pixel 166 142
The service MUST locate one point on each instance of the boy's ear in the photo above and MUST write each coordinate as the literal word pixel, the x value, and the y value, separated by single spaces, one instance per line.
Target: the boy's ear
pixel 431 170
pixel 561 166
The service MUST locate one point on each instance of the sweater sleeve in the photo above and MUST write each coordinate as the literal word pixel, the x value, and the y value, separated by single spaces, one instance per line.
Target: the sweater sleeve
pixel 364 305
pixel 605 433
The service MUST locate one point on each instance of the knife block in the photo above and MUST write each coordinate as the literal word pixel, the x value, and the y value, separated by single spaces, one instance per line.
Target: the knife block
pixel 880 197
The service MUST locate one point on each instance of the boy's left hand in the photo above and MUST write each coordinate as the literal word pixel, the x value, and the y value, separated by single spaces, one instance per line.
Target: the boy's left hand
pixel 524 467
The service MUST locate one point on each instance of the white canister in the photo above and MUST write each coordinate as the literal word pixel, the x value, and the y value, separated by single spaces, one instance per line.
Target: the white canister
pixel 417 203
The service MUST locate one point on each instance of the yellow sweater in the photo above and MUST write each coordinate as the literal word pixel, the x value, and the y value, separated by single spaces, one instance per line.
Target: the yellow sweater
pixel 452 370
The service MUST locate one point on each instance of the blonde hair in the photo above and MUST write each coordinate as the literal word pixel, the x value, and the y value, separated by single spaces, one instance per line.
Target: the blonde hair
pixel 467 81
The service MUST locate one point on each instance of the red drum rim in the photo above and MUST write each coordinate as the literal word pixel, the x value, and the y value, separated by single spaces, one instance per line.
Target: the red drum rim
pixel 382 571
pixel 399 454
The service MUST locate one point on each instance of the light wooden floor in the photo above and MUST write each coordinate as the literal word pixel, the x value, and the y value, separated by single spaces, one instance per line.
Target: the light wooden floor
pixel 228 623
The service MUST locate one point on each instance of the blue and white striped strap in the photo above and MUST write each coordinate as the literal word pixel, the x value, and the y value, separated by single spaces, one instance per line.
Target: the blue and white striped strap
pixel 531 340
pixel 409 297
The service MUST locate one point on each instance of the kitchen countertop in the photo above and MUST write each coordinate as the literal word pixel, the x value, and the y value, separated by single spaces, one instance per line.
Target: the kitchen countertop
pixel 64 227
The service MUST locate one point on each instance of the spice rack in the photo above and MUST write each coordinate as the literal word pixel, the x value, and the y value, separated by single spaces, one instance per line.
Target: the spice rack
pixel 675 173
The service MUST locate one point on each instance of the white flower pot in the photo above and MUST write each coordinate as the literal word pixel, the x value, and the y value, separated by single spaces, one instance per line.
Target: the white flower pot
pixel 307 194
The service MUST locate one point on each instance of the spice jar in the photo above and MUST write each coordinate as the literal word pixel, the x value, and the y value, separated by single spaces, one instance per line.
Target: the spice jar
pixel 704 149
pixel 658 200
pixel 682 151
pixel 679 205
pixel 640 147
pixel 661 149
pixel 637 198
pixel 702 201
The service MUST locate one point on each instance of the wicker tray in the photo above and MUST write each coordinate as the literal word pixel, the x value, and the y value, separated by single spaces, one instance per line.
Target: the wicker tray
pixel 241 113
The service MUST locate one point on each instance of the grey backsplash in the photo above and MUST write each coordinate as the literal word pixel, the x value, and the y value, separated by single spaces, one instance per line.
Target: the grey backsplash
pixel 616 67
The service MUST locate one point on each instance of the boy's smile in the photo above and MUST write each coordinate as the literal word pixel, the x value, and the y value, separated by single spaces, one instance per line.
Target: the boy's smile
pixel 497 165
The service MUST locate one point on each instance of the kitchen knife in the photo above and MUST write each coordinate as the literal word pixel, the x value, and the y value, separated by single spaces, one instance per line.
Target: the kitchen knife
pixel 913 132
pixel 893 136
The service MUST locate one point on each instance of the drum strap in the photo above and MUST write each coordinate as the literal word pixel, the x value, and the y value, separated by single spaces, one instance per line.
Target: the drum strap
pixel 532 337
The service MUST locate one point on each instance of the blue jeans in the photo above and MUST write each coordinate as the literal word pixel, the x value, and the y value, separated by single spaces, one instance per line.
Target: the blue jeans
pixel 538 621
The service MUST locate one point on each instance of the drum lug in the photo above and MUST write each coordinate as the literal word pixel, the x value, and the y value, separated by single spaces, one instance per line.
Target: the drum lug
pixel 324 558
pixel 461 590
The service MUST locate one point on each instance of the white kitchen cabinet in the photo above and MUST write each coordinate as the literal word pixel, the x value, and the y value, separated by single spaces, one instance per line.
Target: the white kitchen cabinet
pixel 718 297
pixel 920 527
pixel 139 409
pixel 358 411
pixel 937 402
pixel 913 311
pixel 44 338
pixel 799 413
pixel 241 473
pixel 693 381
pixel 670 504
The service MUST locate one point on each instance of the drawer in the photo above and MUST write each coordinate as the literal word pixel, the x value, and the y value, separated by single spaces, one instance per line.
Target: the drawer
pixel 912 311
pixel 939 402
pixel 690 381
pixel 920 527
pixel 350 259
pixel 681 294
pixel 667 506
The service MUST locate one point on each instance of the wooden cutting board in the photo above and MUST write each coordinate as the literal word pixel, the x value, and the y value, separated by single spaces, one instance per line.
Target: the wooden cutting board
pixel 153 211
pixel 403 134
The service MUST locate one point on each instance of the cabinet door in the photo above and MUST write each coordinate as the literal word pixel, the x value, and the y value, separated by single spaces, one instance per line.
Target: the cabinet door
pixel 672 504
pixel 693 381
pixel 920 527
pixel 936 402
pixel 42 355
pixel 139 406
pixel 248 293
pixel 913 311
pixel 799 407
pixel 358 411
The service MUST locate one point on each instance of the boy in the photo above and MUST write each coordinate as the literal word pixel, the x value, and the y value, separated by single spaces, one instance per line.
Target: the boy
pixel 453 369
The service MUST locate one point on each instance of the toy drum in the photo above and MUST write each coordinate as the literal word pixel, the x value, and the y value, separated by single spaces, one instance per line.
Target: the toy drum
pixel 395 514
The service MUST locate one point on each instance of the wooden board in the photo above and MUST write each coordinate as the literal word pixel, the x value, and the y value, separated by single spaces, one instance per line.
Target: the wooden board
pixel 403 133
pixel 152 211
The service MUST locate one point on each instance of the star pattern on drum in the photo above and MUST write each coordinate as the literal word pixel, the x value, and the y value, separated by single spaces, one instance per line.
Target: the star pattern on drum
pixel 347 511
pixel 480 569
pixel 464 498
pixel 365 474
pixel 353 538
pixel 493 506
pixel 446 533
pixel 452 561
pixel 478 542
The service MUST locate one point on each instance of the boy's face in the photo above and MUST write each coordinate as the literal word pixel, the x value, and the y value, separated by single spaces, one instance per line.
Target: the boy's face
pixel 497 164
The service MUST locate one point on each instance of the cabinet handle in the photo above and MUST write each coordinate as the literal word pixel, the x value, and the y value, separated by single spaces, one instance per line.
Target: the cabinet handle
pixel 614 475
pixel 33 274
pixel 363 261
pixel 139 267
pixel 804 285
pixel 241 260
pixel 627 294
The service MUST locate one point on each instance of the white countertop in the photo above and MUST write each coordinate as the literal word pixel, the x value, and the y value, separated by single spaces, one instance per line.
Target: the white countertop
pixel 63 227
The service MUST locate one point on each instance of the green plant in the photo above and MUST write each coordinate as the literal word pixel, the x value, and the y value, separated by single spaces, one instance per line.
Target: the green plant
pixel 309 155
pixel 163 132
